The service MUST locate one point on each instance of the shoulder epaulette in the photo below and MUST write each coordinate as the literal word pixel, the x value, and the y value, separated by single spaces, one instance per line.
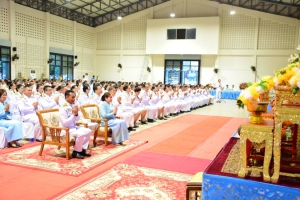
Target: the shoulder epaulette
pixel 65 104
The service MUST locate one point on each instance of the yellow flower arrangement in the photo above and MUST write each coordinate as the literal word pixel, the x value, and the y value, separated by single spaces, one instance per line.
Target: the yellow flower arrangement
pixel 289 75
pixel 251 94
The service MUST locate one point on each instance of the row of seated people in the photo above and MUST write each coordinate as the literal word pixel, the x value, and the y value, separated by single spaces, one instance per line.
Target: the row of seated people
pixel 127 105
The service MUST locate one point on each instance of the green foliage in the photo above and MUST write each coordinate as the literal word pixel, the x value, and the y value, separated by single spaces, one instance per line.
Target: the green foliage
pixel 240 104
pixel 295 89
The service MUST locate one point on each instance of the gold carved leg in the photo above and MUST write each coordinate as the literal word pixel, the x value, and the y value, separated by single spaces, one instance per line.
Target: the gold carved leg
pixel 243 156
pixel 268 157
pixel 277 151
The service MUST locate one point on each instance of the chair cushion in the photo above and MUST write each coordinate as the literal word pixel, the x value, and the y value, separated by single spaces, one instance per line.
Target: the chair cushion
pixel 51 118
pixel 92 112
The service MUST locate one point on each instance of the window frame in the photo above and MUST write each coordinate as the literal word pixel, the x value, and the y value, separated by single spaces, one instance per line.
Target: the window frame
pixel 59 61
pixel 9 60
pixel 181 69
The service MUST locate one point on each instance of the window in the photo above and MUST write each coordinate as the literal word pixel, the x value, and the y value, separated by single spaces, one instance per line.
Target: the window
pixel 181 34
pixel 182 71
pixel 5 65
pixel 61 64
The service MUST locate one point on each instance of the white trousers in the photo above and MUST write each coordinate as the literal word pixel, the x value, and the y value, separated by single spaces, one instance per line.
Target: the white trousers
pixel 27 127
pixel 37 127
pixel 82 136
pixel 128 117
pixel 218 95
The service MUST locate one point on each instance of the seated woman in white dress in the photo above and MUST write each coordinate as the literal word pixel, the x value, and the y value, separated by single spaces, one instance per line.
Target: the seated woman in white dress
pixel 12 128
pixel 118 126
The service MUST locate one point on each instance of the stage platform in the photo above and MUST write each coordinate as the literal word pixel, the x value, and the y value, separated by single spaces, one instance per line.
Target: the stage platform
pixel 220 180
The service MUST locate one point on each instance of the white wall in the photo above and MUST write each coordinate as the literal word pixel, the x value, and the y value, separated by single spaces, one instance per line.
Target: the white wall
pixel 206 42
pixel 34 32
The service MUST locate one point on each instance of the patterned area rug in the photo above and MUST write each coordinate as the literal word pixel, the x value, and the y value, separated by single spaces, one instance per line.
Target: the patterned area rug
pixel 129 182
pixel 54 160
pixel 233 162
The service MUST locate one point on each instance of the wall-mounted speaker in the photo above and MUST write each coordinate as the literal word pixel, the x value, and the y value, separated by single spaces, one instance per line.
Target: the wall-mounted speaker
pixel 14 48
pixel 216 70
pixel 75 57
pixel 253 68
pixel 119 65
pixel 50 60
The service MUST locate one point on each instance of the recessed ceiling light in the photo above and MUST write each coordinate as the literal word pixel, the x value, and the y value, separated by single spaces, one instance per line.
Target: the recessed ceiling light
pixel 119 17
pixel 172 15
pixel 232 12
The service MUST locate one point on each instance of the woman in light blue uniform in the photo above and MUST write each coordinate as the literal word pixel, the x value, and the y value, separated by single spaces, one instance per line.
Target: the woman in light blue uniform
pixel 118 126
pixel 12 128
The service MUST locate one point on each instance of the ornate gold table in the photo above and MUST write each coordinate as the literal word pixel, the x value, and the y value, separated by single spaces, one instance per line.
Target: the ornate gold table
pixel 256 134
pixel 284 113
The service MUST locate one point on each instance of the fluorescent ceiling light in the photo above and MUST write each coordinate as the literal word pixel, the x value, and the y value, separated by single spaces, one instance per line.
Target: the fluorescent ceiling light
pixel 232 12
pixel 172 15
pixel 119 17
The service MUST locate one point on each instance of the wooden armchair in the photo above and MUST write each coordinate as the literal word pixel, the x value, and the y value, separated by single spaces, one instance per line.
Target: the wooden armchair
pixel 53 133
pixel 92 112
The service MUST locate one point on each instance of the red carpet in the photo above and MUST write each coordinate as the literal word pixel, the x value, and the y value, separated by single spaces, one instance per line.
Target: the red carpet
pixel 216 167
pixel 128 182
pixel 54 160
pixel 169 162
pixel 187 140
pixel 33 183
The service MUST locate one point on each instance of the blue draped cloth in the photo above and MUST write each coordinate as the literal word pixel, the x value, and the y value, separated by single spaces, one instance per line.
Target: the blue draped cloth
pixel 12 128
pixel 227 94
pixel 118 126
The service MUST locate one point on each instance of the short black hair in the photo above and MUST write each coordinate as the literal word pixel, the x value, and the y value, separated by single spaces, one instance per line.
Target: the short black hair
pixel 137 89
pixel 85 87
pixel 68 93
pixel 96 86
pixel 46 87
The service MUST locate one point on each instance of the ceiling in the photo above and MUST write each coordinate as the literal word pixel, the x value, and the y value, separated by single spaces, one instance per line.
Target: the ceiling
pixel 90 12
pixel 287 8
pixel 97 12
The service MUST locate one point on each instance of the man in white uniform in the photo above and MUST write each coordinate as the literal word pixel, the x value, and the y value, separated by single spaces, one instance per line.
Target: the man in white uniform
pixel 28 107
pixel 68 117
pixel 219 91
pixel 47 101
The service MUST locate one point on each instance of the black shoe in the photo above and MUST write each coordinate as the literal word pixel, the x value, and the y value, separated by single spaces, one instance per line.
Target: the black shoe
pixel 9 145
pixel 38 140
pixel 144 122
pixel 75 154
pixel 84 153
pixel 131 129
pixel 121 143
pixel 150 120
pixel 135 126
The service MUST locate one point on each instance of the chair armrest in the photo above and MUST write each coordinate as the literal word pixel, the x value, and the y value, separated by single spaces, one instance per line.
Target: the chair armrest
pixel 55 132
pixel 98 119
pixel 82 123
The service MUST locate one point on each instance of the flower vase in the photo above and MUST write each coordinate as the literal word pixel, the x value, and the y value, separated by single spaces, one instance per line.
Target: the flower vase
pixel 256 110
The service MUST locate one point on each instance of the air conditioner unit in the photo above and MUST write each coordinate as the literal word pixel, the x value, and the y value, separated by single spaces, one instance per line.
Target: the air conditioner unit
pixel 32 74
